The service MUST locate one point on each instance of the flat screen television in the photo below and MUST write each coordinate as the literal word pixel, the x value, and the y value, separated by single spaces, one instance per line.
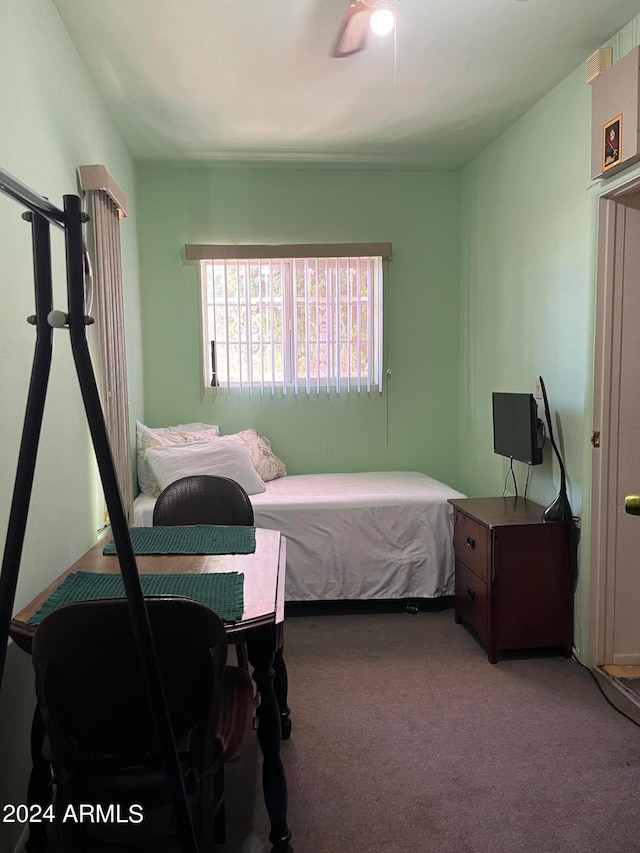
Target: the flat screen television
pixel 517 429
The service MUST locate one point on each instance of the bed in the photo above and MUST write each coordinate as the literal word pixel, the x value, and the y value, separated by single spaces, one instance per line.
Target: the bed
pixel 373 535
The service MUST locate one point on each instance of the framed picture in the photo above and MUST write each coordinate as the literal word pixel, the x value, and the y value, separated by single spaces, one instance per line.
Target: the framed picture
pixel 611 143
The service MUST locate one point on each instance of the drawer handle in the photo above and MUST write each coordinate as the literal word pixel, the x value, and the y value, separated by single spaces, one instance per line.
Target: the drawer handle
pixel 471 593
pixel 471 542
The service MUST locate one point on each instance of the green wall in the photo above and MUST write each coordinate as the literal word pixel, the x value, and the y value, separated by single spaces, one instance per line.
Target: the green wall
pixel 527 285
pixel 528 278
pixel 52 121
pixel 412 425
pixel 528 298
pixel 492 282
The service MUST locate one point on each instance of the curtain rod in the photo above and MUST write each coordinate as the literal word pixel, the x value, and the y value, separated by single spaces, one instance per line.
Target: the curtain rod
pixel 203 252
pixel 37 203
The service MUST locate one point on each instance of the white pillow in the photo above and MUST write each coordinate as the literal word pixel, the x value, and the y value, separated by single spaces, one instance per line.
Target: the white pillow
pixel 148 436
pixel 168 439
pixel 266 463
pixel 225 456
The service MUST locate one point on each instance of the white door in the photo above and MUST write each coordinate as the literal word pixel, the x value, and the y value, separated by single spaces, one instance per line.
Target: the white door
pixel 615 547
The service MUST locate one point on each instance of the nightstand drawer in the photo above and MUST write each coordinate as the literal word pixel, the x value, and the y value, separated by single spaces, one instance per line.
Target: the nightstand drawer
pixel 471 543
pixel 471 600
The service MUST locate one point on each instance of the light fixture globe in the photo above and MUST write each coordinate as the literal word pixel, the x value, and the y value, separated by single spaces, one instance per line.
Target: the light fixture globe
pixel 382 21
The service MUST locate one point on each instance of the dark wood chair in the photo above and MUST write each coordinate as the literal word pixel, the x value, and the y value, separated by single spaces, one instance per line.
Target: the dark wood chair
pixel 100 737
pixel 206 499
pixel 203 499
pixel 209 499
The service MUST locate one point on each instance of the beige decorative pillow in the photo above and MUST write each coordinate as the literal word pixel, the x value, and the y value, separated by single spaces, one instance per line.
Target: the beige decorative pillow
pixel 166 436
pixel 266 463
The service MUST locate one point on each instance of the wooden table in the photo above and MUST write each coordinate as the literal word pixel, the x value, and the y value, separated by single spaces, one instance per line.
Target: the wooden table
pixel 261 626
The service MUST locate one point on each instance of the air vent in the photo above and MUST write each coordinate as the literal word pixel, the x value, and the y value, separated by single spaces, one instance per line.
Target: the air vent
pixel 598 62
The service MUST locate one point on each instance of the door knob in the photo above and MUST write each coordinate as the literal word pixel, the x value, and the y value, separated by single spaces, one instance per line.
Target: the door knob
pixel 632 504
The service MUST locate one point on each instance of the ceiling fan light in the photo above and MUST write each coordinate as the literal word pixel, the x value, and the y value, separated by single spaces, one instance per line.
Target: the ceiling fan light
pixel 382 21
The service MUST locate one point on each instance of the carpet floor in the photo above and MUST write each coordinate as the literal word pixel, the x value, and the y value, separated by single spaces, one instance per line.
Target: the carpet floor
pixel 406 739
pixel 633 684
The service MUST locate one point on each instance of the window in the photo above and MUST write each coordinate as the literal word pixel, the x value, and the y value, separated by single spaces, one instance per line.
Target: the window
pixel 306 324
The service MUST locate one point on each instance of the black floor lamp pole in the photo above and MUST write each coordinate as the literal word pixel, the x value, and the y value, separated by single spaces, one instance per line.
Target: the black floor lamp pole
pixel 71 220
pixel 41 242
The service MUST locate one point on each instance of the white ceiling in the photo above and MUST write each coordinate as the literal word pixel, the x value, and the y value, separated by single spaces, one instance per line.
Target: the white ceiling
pixel 254 80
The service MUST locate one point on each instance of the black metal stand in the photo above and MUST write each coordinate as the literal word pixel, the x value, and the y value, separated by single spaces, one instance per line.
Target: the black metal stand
pixel 42 215
pixel 560 508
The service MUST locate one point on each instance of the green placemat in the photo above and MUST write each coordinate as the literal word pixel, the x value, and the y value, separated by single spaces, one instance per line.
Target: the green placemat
pixel 221 591
pixel 192 539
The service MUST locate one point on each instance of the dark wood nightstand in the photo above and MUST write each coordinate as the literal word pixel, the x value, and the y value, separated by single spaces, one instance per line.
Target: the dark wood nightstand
pixel 513 575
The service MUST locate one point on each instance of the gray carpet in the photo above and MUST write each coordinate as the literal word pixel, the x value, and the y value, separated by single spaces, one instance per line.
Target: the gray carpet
pixel 633 684
pixel 406 739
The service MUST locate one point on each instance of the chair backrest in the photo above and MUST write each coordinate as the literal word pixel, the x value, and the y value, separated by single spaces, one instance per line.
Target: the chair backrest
pixel 89 679
pixel 203 499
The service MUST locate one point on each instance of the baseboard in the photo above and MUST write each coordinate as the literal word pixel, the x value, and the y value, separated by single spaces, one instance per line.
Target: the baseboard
pixel 627 660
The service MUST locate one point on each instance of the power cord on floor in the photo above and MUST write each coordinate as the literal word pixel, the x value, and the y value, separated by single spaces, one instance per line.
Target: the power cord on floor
pixel 599 686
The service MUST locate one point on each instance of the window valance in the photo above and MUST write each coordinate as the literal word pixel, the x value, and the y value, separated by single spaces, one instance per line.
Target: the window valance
pixel 204 252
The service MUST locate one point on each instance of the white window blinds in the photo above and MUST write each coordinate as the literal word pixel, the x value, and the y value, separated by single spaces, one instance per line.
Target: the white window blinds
pixel 106 205
pixel 301 323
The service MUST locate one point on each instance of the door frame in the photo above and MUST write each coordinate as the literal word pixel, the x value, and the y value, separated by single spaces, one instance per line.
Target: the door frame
pixel 612 208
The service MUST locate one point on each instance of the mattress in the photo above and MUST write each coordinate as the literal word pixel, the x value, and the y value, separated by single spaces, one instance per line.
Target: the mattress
pixel 374 535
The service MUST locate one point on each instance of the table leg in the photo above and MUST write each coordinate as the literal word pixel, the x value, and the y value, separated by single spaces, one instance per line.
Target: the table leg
pixel 261 647
pixel 39 790
pixel 281 684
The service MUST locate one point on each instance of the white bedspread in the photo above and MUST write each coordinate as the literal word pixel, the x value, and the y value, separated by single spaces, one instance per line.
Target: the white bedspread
pixel 357 536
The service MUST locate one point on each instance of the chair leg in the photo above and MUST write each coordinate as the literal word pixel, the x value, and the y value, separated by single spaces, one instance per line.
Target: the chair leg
pixel 219 825
pixel 39 791
pixel 242 656
pixel 219 820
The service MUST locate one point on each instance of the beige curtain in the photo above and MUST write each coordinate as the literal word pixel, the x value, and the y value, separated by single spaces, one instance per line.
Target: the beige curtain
pixel 108 311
